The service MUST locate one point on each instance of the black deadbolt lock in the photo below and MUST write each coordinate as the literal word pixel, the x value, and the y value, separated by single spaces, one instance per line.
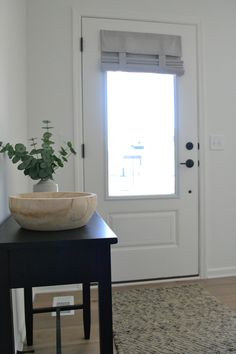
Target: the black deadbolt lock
pixel 189 145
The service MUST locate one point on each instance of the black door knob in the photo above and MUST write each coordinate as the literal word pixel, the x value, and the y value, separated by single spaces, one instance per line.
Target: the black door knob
pixel 188 163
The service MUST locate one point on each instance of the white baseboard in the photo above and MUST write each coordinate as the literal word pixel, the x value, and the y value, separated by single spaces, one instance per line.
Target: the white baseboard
pixel 19 341
pixel 211 273
pixel 221 272
pixel 76 287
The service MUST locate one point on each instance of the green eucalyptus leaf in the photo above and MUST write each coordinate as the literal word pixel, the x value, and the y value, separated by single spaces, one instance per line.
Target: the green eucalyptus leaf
pixel 72 151
pixel 16 159
pixel 4 149
pixel 59 162
pixel 43 165
pixel 20 148
pixel 33 152
pixel 33 173
pixel 47 143
pixel 46 157
pixel 47 135
pixel 25 164
pixel 8 146
pixel 55 158
pixel 33 162
pixel 24 157
pixel 21 166
pixel 44 173
pixel 34 176
pixel 11 153
pixel 63 152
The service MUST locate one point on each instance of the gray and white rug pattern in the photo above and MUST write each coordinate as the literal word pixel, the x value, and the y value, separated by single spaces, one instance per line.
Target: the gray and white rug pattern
pixel 183 319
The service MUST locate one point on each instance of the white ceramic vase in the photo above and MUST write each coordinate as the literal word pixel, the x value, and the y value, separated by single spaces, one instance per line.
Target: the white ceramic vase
pixel 47 185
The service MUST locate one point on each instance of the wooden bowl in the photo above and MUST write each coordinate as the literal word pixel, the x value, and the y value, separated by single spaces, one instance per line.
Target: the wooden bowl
pixel 52 211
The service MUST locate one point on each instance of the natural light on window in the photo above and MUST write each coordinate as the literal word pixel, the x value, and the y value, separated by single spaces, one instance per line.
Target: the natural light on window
pixel 141 134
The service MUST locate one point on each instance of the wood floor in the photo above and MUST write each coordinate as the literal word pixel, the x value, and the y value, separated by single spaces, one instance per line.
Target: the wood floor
pixel 72 326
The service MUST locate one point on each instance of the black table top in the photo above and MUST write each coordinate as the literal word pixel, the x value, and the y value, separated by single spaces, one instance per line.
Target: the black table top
pixel 12 235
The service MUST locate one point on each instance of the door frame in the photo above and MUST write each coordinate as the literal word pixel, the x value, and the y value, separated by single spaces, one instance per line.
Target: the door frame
pixel 78 111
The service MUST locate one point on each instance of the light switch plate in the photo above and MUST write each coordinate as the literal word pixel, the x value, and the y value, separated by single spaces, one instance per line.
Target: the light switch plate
pixel 217 142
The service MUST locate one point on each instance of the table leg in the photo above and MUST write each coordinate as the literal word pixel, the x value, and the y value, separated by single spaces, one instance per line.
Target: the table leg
pixel 6 315
pixel 105 308
pixel 58 330
pixel 28 315
pixel 86 310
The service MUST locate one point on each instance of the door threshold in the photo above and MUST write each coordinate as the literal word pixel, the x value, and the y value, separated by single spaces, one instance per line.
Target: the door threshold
pixel 155 281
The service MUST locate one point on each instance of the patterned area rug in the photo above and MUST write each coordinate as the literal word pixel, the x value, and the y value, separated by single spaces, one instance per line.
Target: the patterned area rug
pixel 183 319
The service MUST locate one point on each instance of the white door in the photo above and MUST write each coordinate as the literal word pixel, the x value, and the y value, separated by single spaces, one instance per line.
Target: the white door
pixel 136 130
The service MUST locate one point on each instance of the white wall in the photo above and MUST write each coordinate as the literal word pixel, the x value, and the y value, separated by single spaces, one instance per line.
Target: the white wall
pixel 13 120
pixel 50 85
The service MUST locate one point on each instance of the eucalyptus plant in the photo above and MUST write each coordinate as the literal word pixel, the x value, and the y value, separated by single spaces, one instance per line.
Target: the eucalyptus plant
pixel 40 162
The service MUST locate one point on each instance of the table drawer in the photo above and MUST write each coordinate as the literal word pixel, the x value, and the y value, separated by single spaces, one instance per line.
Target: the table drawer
pixel 54 265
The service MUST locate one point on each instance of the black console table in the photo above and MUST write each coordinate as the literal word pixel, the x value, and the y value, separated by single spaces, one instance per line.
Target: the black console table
pixel 34 258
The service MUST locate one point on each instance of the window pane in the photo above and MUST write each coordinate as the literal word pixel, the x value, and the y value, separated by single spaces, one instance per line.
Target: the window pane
pixel 140 133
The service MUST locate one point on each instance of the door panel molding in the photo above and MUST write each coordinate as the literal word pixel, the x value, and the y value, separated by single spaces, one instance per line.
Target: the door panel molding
pixel 162 223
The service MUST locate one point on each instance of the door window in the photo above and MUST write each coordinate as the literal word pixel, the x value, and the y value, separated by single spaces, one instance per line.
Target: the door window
pixel 141 145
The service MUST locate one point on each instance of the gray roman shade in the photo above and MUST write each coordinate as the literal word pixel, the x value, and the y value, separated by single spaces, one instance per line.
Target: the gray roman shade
pixel 141 52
